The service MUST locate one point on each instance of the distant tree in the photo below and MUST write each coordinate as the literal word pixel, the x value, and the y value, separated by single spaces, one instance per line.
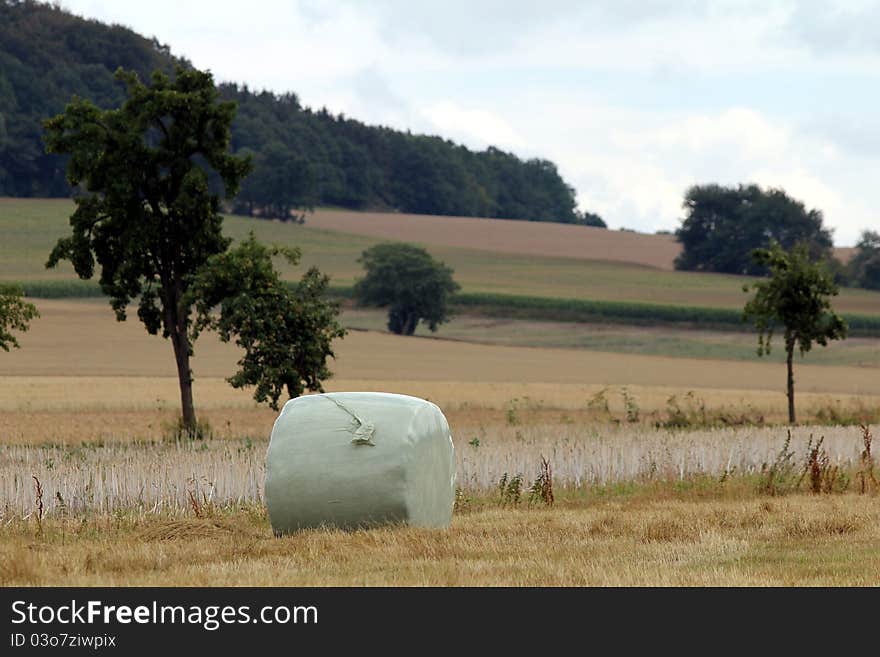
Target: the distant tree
pixel 586 218
pixel 724 225
pixel 864 267
pixel 153 224
pixel 15 315
pixel 796 296
pixel 409 282
pixel 281 183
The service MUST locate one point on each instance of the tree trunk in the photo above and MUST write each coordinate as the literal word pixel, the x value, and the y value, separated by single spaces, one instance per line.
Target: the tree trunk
pixel 176 325
pixel 184 377
pixel 412 321
pixel 395 321
pixel 789 358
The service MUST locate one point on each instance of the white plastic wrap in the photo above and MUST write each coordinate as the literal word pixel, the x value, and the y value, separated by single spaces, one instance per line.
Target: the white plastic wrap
pixel 357 459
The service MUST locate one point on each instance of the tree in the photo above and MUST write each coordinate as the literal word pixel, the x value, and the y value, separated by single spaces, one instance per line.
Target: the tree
pixel 724 225
pixel 152 223
pixel 286 333
pixel 796 296
pixel 865 264
pixel 15 315
pixel 409 282
pixel 149 219
pixel 586 218
pixel 281 182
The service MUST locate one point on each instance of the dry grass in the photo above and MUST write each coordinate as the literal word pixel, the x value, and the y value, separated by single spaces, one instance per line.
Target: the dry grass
pixel 75 410
pixel 505 236
pixel 82 376
pixel 156 476
pixel 81 338
pixel 658 537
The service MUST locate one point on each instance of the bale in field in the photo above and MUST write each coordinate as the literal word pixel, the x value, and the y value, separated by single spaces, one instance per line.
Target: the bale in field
pixel 356 459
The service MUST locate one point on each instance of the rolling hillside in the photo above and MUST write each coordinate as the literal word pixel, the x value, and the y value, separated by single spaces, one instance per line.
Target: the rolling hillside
pixel 512 258
pixel 47 55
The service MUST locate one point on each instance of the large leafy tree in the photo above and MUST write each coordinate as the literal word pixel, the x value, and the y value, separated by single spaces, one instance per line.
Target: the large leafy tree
pixel 150 218
pixel 409 282
pixel 796 297
pixel 15 315
pixel 724 225
pixel 865 264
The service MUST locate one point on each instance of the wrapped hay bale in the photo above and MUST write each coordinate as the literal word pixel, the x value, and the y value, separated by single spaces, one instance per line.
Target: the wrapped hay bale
pixel 356 459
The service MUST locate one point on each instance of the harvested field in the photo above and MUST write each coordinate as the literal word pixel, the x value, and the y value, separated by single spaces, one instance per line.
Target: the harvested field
pixel 655 532
pixel 76 410
pixel 81 338
pixel 505 236
pixel 649 535
pixel 82 376
pixel 164 475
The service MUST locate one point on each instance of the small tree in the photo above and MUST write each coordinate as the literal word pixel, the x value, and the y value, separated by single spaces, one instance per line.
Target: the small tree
pixel 586 218
pixel 409 282
pixel 15 315
pixel 286 333
pixel 795 296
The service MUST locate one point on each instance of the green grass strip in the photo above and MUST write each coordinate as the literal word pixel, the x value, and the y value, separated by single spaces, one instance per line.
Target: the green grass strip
pixel 531 307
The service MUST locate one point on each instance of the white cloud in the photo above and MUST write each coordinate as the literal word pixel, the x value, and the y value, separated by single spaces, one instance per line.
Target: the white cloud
pixel 480 127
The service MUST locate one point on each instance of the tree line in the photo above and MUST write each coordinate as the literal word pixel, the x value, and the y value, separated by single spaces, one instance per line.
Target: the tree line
pixel 301 157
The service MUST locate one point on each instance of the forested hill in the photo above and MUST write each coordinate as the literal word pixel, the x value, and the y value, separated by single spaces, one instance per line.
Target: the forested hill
pixel 302 157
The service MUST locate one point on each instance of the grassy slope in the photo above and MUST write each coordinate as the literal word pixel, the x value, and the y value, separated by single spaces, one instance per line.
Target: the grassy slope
pixel 30 228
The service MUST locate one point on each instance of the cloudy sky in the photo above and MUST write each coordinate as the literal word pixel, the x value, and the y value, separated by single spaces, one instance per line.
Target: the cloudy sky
pixel 634 100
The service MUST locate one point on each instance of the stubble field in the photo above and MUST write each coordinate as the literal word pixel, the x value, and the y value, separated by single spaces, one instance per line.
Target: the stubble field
pixel 88 410
pixel 656 537
pixel 83 376
pixel 660 441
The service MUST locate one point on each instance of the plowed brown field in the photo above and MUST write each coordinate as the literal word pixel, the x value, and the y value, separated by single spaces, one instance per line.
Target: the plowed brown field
pixel 507 236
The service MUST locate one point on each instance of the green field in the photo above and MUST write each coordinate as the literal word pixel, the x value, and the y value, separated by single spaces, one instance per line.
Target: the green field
pixel 30 228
